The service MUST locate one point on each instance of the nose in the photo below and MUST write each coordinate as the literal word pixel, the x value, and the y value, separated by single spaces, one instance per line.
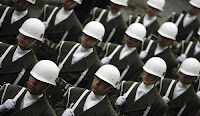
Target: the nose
pixel 98 82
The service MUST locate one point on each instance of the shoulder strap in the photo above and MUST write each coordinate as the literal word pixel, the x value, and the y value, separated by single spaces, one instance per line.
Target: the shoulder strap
pixel 130 89
pixel 147 111
pixel 130 19
pixel 149 46
pixel 169 88
pixel 124 72
pixel 4 14
pixel 19 93
pixel 188 48
pixel 51 15
pixel 107 47
pixel 138 19
pixel 94 11
pixel 179 19
pixel 181 110
pixel 60 66
pixel 19 76
pixel 114 51
pixel 45 10
pixel 189 36
pixel 101 15
pixel 4 92
pixel 109 37
pixel 79 100
pixel 81 77
pixel 5 53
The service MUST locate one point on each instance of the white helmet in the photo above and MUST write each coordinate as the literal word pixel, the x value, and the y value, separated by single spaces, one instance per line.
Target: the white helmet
pixel 157 4
pixel 168 30
pixel 31 1
pixel 137 31
pixel 191 67
pixel 195 3
pixel 109 74
pixel 33 28
pixel 78 1
pixel 156 66
pixel 94 29
pixel 45 71
pixel 120 2
pixel 198 32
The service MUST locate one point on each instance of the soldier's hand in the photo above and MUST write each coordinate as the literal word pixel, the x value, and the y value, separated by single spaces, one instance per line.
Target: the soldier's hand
pixel 8 105
pixel 181 58
pixel 120 101
pixel 68 112
pixel 46 25
pixel 105 60
pixel 143 54
pixel 166 99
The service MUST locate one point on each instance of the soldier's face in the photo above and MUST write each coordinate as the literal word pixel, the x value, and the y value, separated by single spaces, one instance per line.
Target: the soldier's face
pixel 131 42
pixel 186 79
pixel 68 4
pixel 151 11
pixel 87 41
pixel 193 10
pixel 21 5
pixel 99 86
pixel 149 79
pixel 36 87
pixel 163 42
pixel 26 42
pixel 114 8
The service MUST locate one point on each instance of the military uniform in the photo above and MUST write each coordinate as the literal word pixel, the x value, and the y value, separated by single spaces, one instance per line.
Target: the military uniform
pixel 72 72
pixel 183 32
pixel 132 60
pixel 166 55
pixel 103 108
pixel 116 24
pixel 188 98
pixel 151 29
pixel 10 70
pixel 40 108
pixel 8 31
pixel 137 108
pixel 54 33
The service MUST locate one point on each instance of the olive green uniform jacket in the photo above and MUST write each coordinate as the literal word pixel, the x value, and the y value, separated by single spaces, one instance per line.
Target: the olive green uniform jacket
pixel 103 108
pixel 8 31
pixel 40 108
pixel 137 108
pixel 71 72
pixel 10 70
pixel 188 98
pixel 132 60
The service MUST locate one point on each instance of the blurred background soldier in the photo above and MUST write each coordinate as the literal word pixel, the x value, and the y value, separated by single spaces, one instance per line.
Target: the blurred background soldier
pixel 61 25
pixel 160 48
pixel 17 61
pixel 149 20
pixel 95 102
pixel 21 101
pixel 78 61
pixel 12 18
pixel 125 57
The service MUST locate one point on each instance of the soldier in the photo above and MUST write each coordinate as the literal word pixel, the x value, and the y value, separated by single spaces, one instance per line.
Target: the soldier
pixel 78 62
pixel 142 98
pixel 12 18
pixel 187 22
pixel 21 101
pixel 17 61
pixel 179 94
pixel 125 57
pixel 190 49
pixel 160 48
pixel 150 20
pixel 112 21
pixel 81 102
pixel 61 25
